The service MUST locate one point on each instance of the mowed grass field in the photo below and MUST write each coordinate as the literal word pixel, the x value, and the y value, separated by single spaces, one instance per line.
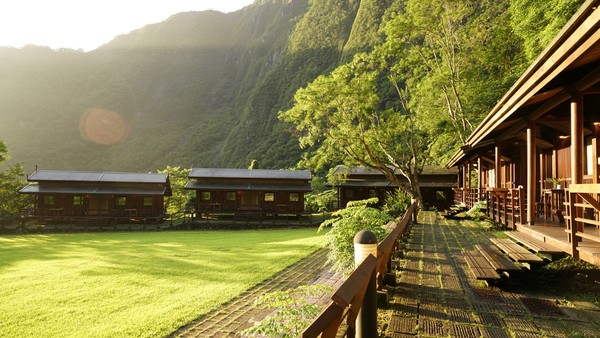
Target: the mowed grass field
pixel 143 284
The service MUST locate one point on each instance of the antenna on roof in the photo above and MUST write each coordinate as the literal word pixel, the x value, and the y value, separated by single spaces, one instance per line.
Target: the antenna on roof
pixel 36 167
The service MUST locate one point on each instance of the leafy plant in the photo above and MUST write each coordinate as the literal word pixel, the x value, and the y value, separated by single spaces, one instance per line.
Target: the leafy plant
pixel 396 202
pixel 345 224
pixel 295 310
pixel 321 202
pixel 178 177
pixel 11 181
pixel 555 180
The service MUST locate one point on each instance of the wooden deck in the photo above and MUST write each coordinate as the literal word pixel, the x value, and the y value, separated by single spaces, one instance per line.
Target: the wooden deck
pixel 554 234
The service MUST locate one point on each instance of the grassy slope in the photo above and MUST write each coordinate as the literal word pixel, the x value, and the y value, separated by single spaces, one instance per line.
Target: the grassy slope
pixel 133 284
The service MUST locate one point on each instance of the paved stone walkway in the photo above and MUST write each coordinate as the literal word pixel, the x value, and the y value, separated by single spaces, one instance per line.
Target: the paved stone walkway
pixel 438 296
pixel 240 313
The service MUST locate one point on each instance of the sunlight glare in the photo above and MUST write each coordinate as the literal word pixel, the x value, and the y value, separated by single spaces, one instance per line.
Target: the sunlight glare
pixel 103 126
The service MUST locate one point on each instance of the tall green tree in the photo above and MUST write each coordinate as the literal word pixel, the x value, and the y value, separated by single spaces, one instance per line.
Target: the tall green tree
pixel 178 177
pixel 456 59
pixel 11 181
pixel 538 22
pixel 357 115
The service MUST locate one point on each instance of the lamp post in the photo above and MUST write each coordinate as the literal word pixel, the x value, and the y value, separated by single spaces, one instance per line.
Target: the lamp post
pixel 365 244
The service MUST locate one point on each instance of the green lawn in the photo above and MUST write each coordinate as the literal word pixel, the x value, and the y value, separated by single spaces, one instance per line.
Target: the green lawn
pixel 133 284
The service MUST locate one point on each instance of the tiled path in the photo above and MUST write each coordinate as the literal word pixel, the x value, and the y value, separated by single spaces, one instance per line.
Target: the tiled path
pixel 239 313
pixel 437 295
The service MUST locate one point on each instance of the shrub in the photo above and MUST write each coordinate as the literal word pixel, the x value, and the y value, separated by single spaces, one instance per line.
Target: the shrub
pixel 321 202
pixel 396 202
pixel 295 310
pixel 357 216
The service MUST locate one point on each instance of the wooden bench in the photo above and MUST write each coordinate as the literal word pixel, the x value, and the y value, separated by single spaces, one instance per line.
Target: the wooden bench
pixel 497 259
pixel 517 252
pixel 536 245
pixel 481 267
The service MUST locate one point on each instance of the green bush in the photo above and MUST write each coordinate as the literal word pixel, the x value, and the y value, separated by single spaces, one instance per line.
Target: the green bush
pixel 295 310
pixel 396 202
pixel 321 202
pixel 357 216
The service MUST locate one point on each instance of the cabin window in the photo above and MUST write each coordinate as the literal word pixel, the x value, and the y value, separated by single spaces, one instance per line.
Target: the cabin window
pixel 148 201
pixel 372 193
pixel 121 201
pixel 349 193
pixel 231 195
pixel 269 197
pixel 205 195
pixel 48 200
pixel 294 197
pixel 77 200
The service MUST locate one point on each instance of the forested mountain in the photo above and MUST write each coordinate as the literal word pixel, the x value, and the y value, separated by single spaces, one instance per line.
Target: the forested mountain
pixel 204 88
pixel 201 88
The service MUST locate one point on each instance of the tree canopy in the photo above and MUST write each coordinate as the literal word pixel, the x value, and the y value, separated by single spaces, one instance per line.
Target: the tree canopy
pixel 11 181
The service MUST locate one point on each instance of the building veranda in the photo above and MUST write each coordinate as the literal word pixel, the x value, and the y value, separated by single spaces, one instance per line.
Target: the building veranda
pixel 544 131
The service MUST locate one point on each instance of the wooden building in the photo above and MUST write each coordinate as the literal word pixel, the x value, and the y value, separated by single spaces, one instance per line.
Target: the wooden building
pixel 103 197
pixel 436 184
pixel 546 126
pixel 258 191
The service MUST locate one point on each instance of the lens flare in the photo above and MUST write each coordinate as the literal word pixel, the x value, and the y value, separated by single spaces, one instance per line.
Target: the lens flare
pixel 103 126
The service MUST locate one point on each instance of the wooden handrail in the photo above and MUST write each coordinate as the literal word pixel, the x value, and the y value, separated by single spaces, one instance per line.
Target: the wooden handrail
pixel 347 299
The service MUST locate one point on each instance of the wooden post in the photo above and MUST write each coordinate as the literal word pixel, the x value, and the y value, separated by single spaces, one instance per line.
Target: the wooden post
pixel 577 139
pixel 365 244
pixel 479 179
pixel 576 164
pixel 531 176
pixel 497 167
pixel 464 186
pixel 469 185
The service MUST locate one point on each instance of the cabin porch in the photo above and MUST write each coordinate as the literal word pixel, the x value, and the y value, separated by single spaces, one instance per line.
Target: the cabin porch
pixel 555 234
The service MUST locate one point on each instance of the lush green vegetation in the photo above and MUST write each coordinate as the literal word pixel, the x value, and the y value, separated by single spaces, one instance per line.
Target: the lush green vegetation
pixel 133 284
pixel 204 89
pixel 345 224
pixel 11 181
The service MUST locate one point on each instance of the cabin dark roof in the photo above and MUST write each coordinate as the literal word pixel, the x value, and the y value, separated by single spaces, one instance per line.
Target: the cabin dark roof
pixel 97 183
pixel 96 176
pixel 366 171
pixel 250 174
pixel 97 190
pixel 363 177
pixel 247 186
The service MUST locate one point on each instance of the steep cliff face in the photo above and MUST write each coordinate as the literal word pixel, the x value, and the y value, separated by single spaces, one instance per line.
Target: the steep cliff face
pixel 201 88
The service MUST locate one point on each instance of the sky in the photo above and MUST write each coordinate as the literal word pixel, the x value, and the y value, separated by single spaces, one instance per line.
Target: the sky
pixel 86 24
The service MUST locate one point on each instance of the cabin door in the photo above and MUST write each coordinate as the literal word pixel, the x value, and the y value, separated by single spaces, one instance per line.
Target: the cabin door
pixel 98 205
pixel 250 201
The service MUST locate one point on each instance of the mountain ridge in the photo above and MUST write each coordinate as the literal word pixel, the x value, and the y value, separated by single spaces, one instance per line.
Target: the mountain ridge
pixel 199 89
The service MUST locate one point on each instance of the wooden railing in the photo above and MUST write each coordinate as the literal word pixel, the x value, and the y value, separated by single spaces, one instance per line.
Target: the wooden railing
pixel 347 299
pixel 458 196
pixel 580 197
pixel 507 205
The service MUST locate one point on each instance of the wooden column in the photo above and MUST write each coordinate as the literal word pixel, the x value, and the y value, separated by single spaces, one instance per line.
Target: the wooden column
pixel 469 185
pixel 595 151
pixel 577 138
pixel 576 164
pixel 497 159
pixel 531 174
pixel 479 178
pixel 464 185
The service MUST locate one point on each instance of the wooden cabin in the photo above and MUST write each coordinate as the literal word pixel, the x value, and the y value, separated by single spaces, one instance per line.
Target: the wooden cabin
pixel 103 197
pixel 436 184
pixel 546 126
pixel 258 191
